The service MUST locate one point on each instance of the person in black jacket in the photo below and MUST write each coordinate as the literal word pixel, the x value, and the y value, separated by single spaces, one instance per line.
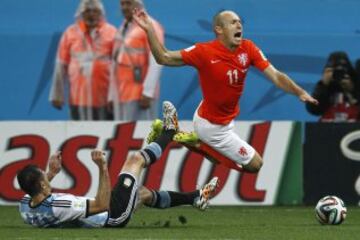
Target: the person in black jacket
pixel 337 91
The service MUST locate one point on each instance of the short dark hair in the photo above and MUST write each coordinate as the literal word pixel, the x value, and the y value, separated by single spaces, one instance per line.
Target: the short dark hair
pixel 29 179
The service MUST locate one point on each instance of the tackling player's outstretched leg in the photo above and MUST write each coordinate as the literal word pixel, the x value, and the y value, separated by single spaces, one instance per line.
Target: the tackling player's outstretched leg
pixel 110 207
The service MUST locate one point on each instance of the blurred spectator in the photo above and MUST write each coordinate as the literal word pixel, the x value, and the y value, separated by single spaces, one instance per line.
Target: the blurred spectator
pixel 337 91
pixel 83 62
pixel 357 70
pixel 135 74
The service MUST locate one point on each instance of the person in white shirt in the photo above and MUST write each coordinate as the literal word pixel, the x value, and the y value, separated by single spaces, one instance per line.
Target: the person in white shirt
pixel 135 76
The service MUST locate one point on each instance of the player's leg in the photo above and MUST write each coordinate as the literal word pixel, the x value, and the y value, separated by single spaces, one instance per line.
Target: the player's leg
pixel 124 194
pixel 156 130
pixel 166 199
pixel 255 164
pixel 224 141
pixel 191 141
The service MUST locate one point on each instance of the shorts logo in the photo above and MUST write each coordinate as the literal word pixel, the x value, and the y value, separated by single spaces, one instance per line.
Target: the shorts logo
pixel 127 182
pixel 243 152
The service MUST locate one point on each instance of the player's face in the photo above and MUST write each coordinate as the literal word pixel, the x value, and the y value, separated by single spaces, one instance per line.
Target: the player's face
pixel 127 7
pixel 232 30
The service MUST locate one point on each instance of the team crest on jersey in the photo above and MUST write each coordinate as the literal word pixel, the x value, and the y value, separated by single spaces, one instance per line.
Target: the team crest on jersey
pixel 79 205
pixel 243 59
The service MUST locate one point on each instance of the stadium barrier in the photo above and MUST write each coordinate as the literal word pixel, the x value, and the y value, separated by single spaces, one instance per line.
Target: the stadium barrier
pixel 332 162
pixel 179 169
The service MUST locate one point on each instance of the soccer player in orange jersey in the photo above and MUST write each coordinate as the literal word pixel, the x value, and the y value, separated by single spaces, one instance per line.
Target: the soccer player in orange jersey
pixel 222 65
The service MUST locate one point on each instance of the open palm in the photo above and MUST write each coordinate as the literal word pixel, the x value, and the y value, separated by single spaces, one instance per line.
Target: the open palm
pixel 305 97
pixel 142 18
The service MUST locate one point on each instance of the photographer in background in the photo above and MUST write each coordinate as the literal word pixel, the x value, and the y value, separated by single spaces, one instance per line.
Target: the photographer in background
pixel 337 91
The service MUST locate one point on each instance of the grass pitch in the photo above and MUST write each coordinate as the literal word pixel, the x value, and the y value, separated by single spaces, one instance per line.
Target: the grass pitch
pixel 188 223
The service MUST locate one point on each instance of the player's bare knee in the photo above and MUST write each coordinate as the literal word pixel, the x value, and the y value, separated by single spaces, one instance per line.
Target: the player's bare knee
pixel 258 164
pixel 134 160
pixel 251 168
pixel 254 165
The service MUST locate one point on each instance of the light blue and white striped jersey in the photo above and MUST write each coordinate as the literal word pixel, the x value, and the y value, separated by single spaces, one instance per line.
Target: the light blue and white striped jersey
pixel 60 210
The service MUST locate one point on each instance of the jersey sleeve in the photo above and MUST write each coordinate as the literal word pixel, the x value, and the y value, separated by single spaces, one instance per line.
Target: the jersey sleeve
pixel 258 58
pixel 192 55
pixel 68 207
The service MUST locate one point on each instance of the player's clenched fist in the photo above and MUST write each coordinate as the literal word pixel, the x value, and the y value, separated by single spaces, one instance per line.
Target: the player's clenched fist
pixel 98 157
pixel 55 163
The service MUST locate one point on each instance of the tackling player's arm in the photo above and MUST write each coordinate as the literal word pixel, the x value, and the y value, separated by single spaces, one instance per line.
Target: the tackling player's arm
pixel 54 165
pixel 162 55
pixel 283 81
pixel 102 198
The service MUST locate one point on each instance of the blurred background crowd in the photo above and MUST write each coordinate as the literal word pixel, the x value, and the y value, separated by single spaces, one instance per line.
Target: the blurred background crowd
pixel 87 60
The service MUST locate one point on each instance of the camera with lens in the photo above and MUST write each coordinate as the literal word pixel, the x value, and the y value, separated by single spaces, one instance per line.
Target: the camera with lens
pixel 340 64
pixel 339 73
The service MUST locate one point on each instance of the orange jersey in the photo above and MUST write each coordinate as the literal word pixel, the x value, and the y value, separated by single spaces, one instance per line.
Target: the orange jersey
pixel 84 60
pixel 222 76
pixel 132 51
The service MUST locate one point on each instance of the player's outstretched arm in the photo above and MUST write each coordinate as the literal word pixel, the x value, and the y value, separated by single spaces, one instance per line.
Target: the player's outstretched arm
pixel 161 54
pixel 102 198
pixel 54 165
pixel 283 81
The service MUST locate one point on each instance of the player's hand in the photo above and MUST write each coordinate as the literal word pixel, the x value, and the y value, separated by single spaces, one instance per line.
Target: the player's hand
pixel 142 19
pixel 305 97
pixel 98 157
pixel 54 165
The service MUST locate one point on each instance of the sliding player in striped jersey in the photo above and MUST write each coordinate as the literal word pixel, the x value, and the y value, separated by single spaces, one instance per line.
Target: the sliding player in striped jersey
pixel 110 208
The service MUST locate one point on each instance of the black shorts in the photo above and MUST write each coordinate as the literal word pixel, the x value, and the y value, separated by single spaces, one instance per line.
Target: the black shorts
pixel 123 200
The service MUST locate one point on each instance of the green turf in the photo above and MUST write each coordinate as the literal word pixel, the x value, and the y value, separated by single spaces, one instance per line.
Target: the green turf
pixel 188 223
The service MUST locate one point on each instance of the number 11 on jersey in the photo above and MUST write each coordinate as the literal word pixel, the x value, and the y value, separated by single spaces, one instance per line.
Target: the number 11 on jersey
pixel 233 76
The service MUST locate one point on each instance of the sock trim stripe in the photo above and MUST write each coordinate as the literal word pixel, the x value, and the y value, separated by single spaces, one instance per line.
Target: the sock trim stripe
pixel 146 157
pixel 155 197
